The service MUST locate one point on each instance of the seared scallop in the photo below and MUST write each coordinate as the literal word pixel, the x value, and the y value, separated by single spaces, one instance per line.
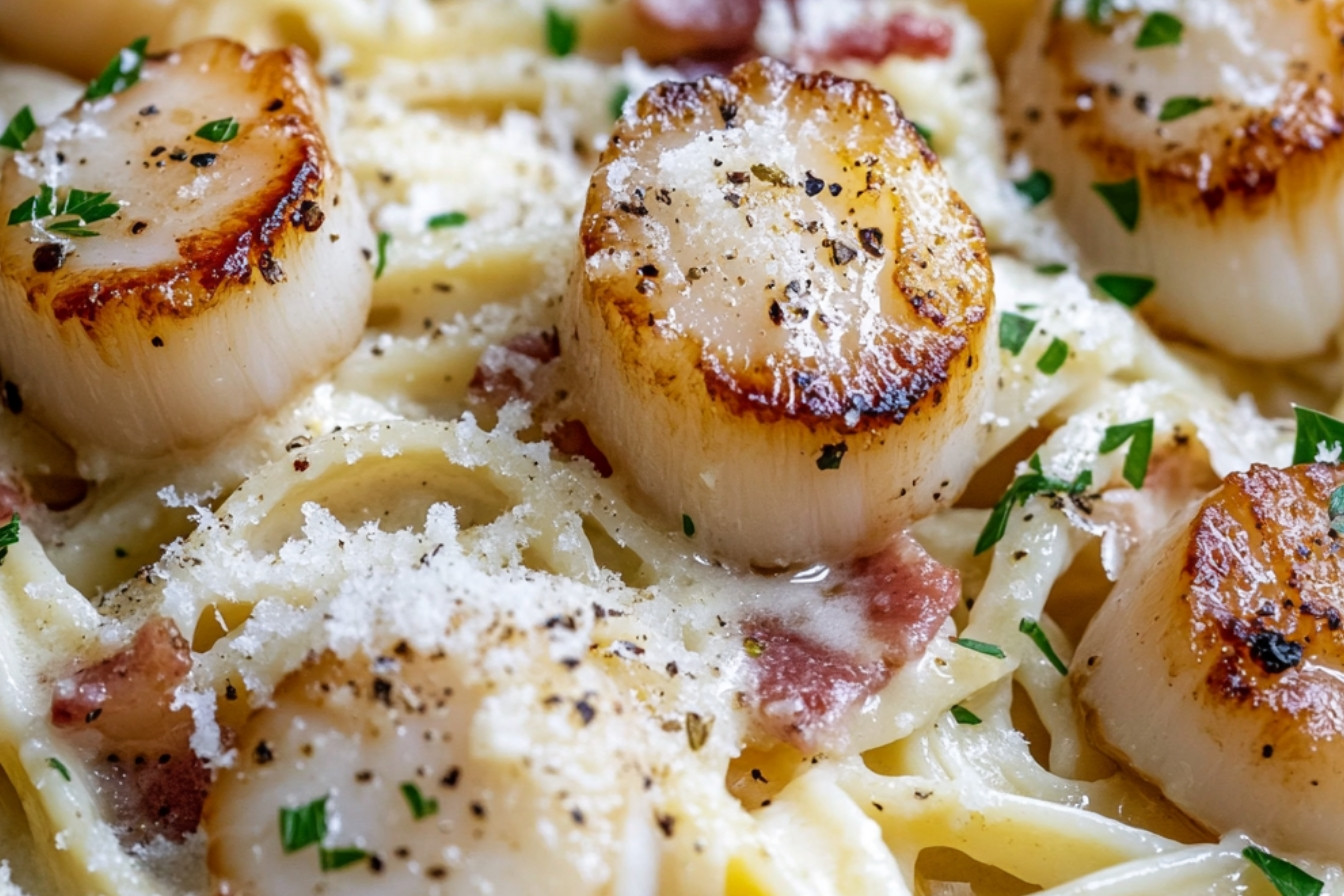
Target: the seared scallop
pixel 777 327
pixel 1195 155
pixel 1216 667
pixel 182 250
pixel 409 774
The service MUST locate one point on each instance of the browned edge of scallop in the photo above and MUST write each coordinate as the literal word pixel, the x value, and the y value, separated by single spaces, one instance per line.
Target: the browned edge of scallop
pixel 244 244
pixel 898 374
pixel 1263 152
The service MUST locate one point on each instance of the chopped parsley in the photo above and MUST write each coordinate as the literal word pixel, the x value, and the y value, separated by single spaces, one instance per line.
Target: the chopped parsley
pixel 753 647
pixel 1014 330
pixel 85 207
pixel 1286 877
pixel 447 219
pixel 924 133
pixel 1160 29
pixel 303 826
pixel 57 764
pixel 831 456
pixel 1181 106
pixel 221 130
pixel 1035 187
pixel 1054 357
pixel 698 729
pixel 688 525
pixel 384 239
pixel 1050 270
pixel 562 32
pixel 1023 487
pixel 339 857
pixel 122 72
pixel 1032 629
pixel 421 805
pixel 1140 437
pixel 1319 437
pixel 1099 11
pixel 987 649
pixel 1337 510
pixel 9 536
pixel 1123 198
pixel 19 129
pixel 616 105
pixel 964 716
pixel 1126 289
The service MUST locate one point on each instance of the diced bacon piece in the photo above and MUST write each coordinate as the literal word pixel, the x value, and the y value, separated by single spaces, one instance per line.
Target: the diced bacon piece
pixel 571 438
pixel 904 34
pixel 703 26
pixel 505 372
pixel 804 688
pixel 120 708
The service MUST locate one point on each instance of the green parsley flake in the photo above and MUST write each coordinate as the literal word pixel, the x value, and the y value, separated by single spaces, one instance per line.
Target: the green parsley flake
pixel 87 208
pixel 447 219
pixel 1181 106
pixel 688 525
pixel 1099 12
pixel 1286 877
pixel 9 536
pixel 122 72
pixel 1140 449
pixel 303 826
pixel 616 105
pixel 964 716
pixel 1023 487
pixel 987 649
pixel 1123 199
pixel 1055 356
pixel 1035 187
pixel 562 32
pixel 1051 270
pixel 1014 330
pixel 1160 29
pixel 384 240
pixel 753 647
pixel 1126 289
pixel 924 133
pixel 421 805
pixel 1319 437
pixel 1032 629
pixel 1337 510
pixel 221 130
pixel 340 857
pixel 831 456
pixel 57 764
pixel 20 128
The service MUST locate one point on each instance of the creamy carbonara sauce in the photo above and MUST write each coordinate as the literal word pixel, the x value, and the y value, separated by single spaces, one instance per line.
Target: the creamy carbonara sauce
pixel 403 632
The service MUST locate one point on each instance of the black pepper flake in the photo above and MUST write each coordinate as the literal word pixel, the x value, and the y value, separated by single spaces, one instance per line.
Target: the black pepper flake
pixel 382 691
pixel 310 215
pixel 48 257
pixel 1267 750
pixel 842 253
pixel 672 668
pixel 577 815
pixel 376 863
pixel 151 109
pixel 275 105
pixel 139 227
pixel 776 314
pixel 835 189
pixel 1274 652
pixel 477 809
pixel 451 779
pixel 733 199
pixel 230 692
pixel 92 716
pixel 812 185
pixel 871 240
pixel 157 342
pixel 757 776
pixel 648 270
pixel 666 823
pixel 585 711
pixel 204 159
pixel 729 112
pixel 831 456
pixel 270 269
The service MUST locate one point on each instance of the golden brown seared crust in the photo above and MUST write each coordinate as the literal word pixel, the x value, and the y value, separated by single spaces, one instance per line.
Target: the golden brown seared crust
pixel 252 234
pixel 1264 591
pixel 942 276
pixel 1259 147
